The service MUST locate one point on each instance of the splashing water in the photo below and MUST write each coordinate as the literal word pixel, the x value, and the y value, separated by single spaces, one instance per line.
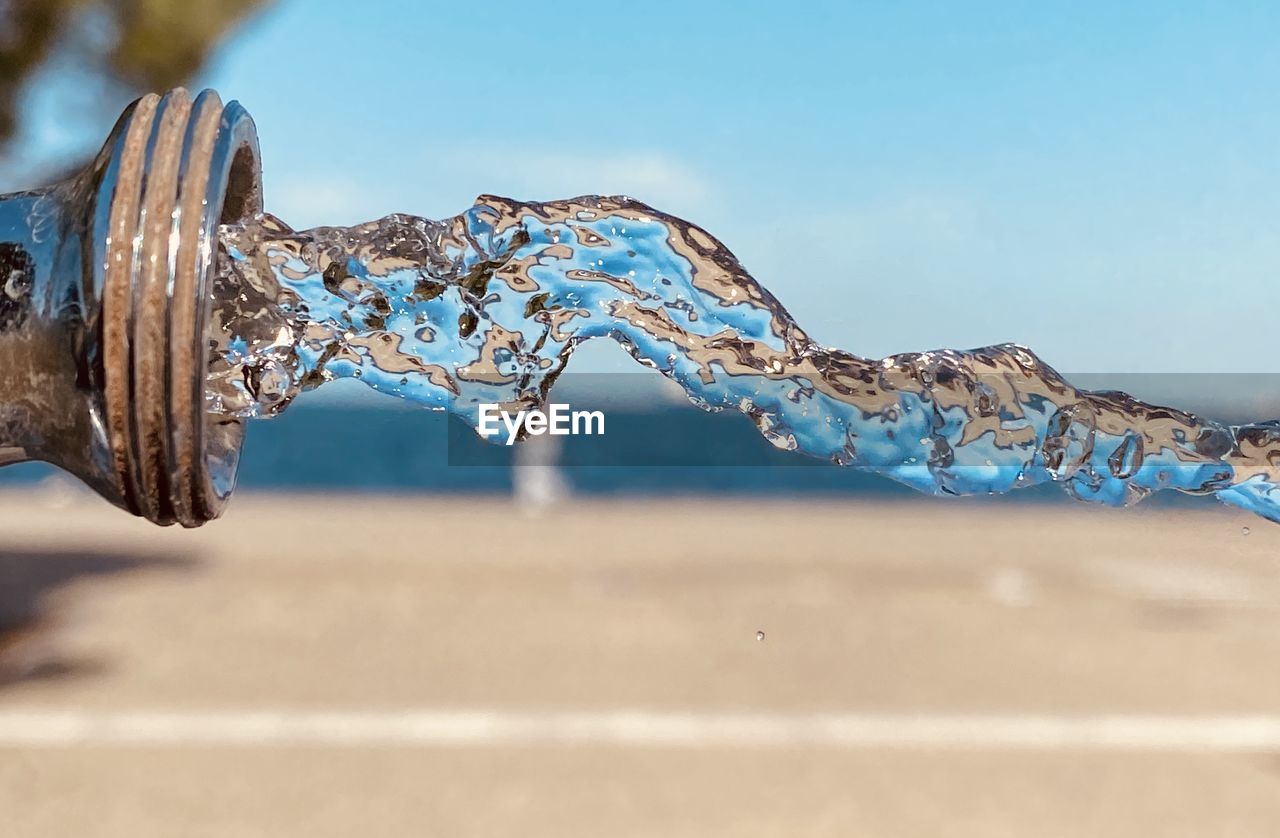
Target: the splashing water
pixel 487 306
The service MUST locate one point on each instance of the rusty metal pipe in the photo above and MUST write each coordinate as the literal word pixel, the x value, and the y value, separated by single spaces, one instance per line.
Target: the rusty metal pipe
pixel 104 303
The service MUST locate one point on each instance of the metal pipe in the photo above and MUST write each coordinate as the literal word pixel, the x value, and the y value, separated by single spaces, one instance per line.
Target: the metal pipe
pixel 104 303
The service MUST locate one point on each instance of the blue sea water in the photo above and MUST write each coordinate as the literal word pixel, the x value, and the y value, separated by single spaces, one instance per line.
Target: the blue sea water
pixel 661 451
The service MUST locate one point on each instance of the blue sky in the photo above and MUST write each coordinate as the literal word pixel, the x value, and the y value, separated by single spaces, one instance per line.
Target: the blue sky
pixel 1101 184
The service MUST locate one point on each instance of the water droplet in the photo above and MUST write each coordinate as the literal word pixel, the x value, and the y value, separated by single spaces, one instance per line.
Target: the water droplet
pixel 1069 439
pixel 1244 530
pixel 1125 461
pixel 759 636
pixel 986 399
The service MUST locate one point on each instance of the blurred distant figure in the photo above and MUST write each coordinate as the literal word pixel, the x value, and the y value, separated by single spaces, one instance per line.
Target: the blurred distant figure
pixel 536 479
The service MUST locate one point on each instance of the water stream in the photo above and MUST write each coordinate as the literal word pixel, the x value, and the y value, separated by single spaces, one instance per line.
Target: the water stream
pixel 486 308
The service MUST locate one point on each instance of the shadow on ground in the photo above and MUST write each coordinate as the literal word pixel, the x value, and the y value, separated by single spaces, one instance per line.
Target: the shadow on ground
pixel 33 588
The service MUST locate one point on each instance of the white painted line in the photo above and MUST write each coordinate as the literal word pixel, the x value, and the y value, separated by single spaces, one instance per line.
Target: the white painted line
pixel 639 729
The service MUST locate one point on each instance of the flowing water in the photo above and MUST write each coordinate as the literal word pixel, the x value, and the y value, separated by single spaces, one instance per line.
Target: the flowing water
pixel 486 308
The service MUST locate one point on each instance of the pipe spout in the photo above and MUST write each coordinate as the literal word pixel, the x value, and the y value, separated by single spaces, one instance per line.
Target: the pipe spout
pixel 104 307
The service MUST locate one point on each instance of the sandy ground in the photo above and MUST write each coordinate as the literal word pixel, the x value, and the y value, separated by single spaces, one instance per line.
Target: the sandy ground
pixel 337 666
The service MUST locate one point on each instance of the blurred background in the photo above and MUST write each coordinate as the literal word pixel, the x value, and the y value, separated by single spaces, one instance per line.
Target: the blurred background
pixel 400 629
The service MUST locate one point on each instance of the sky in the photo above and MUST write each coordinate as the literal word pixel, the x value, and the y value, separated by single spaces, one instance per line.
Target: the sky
pixel 1100 184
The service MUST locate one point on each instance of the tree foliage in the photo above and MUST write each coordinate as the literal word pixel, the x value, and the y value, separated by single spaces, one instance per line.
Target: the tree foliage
pixel 143 44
